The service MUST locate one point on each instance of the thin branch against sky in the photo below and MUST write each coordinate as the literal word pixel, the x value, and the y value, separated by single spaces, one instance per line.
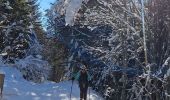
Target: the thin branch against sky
pixel 44 5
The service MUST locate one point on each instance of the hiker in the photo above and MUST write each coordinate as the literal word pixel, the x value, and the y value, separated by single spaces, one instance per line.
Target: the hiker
pixel 83 78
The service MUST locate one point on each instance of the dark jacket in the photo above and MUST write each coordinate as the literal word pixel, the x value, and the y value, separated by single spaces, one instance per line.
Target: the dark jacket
pixel 83 78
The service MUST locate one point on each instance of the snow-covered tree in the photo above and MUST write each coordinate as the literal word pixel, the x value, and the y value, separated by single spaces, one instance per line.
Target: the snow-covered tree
pixel 16 28
pixel 108 34
pixel 159 33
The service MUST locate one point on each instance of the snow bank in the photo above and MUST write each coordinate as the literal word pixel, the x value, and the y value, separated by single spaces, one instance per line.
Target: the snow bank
pixel 34 69
pixel 16 88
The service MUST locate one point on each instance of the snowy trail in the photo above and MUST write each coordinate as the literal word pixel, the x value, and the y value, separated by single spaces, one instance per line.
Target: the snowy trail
pixel 16 88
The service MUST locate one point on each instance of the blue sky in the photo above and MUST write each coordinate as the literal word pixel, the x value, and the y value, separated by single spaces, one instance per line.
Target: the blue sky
pixel 44 4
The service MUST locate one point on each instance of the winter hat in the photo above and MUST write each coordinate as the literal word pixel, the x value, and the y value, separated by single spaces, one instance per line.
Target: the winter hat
pixel 83 67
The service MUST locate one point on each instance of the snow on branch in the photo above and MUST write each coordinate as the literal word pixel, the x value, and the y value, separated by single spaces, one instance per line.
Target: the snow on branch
pixel 70 9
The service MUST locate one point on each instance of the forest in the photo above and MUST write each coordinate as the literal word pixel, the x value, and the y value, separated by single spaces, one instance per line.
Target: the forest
pixel 124 44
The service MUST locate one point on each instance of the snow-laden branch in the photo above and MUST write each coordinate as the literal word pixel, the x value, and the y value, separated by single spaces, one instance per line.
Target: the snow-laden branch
pixel 70 8
pixel 121 19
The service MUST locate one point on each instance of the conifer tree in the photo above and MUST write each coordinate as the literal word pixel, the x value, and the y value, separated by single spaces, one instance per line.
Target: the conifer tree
pixel 16 29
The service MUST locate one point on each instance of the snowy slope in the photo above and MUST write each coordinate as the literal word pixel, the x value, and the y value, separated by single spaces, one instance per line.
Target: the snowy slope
pixel 16 88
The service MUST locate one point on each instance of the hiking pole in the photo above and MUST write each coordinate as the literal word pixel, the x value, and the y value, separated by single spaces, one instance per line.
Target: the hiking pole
pixel 71 89
pixel 89 93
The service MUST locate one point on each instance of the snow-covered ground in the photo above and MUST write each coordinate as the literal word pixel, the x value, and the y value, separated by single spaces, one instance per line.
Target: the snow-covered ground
pixel 16 88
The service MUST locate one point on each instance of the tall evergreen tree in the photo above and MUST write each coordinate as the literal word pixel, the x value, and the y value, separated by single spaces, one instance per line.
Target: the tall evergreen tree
pixel 16 27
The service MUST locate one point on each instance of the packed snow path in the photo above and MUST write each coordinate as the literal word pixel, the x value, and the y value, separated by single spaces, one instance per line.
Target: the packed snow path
pixel 16 88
